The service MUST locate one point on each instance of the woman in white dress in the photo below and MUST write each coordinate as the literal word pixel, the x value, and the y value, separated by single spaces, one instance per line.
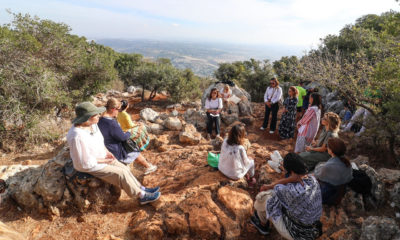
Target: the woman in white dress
pixel 233 161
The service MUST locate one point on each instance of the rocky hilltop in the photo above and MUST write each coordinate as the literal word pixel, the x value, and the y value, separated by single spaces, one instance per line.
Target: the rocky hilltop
pixel 198 202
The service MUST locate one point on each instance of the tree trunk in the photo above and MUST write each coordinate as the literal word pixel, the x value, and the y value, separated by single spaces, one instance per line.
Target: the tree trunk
pixel 142 94
pixel 153 94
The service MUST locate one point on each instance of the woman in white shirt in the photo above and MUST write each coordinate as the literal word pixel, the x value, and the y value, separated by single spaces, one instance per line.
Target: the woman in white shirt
pixel 213 107
pixel 272 97
pixel 89 154
pixel 233 160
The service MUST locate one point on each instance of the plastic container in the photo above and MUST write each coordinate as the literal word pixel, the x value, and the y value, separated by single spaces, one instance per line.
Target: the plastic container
pixel 276 156
pixel 274 165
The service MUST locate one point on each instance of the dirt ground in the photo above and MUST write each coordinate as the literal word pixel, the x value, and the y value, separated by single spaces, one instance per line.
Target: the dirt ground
pixel 113 222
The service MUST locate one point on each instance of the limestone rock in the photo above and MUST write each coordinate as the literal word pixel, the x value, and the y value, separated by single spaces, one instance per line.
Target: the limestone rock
pixel 51 183
pixel 390 176
pixel 378 188
pixel 238 201
pixel 173 123
pixel 217 143
pixel 394 194
pixel 155 128
pixel 381 228
pixel 197 118
pixel 360 160
pixel 176 224
pixel 189 135
pixel 228 119
pixel 150 229
pixel 245 108
pixel 148 114
pixel 131 89
pixel 174 113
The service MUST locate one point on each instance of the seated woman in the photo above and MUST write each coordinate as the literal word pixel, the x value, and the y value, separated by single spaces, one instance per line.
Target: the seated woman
pixel 233 160
pixel 90 155
pixel 317 152
pixel 138 132
pixel 226 93
pixel 309 124
pixel 213 106
pixel 335 173
pixel 292 204
pixel 114 136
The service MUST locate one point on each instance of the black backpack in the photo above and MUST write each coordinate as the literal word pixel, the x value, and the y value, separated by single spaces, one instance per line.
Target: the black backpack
pixel 360 183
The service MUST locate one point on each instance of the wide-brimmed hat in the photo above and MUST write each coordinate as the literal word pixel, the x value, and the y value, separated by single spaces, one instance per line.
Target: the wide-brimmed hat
pixel 85 110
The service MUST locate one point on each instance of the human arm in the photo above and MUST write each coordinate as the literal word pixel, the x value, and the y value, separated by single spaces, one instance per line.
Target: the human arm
pixel 125 120
pixel 291 179
pixel 80 153
pixel 116 132
pixel 323 148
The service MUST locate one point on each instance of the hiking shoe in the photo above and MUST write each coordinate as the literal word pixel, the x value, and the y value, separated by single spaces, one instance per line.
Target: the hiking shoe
pixel 271 132
pixel 149 197
pixel 150 169
pixel 264 230
pixel 262 128
pixel 152 190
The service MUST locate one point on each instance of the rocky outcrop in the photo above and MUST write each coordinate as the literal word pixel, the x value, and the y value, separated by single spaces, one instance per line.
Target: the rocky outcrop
pixel 148 114
pixel 47 189
pixel 381 228
pixel 197 118
pixel 242 108
pixel 189 135
pixel 173 123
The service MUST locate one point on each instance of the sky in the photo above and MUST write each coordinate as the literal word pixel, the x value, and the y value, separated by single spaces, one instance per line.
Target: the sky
pixel 250 22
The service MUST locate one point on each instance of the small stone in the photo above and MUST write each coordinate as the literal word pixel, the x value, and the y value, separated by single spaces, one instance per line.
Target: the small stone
pixel 80 219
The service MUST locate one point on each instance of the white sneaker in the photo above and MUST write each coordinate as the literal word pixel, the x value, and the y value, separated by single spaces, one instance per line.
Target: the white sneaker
pixel 271 132
pixel 261 128
pixel 217 136
pixel 150 169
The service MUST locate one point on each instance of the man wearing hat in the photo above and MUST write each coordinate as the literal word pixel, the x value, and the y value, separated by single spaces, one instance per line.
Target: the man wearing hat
pixel 88 153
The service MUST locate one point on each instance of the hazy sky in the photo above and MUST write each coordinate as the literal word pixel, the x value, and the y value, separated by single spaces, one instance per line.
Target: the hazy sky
pixel 269 22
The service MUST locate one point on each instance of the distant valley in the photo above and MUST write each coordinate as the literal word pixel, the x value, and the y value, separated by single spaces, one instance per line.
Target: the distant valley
pixel 202 58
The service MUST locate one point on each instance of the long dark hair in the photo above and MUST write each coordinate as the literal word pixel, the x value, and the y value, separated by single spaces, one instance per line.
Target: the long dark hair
pixel 317 101
pixel 293 162
pixel 338 147
pixel 236 135
pixel 213 89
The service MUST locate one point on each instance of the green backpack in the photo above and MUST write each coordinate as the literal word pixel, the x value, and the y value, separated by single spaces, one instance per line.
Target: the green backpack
pixel 213 159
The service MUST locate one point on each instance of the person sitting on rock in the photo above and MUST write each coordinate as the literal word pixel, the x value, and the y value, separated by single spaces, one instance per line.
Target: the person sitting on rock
pixel 335 173
pixel 114 136
pixel 309 124
pixel 233 160
pixel 213 106
pixel 90 155
pixel 317 152
pixel 292 204
pixel 138 132
pixel 226 93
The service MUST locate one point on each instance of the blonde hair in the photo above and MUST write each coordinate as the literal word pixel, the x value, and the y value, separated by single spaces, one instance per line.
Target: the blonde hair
pixel 333 121
pixel 226 87
pixel 112 103
pixel 294 89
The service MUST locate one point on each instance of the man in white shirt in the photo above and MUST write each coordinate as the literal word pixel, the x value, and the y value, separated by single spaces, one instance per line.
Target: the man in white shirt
pixel 272 97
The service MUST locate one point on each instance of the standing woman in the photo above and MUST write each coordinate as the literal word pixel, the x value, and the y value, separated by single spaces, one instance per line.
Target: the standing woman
pixel 114 136
pixel 213 107
pixel 288 120
pixel 309 124
pixel 271 98
pixel 138 132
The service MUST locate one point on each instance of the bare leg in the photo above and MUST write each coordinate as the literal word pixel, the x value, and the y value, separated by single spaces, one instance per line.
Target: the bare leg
pixel 142 161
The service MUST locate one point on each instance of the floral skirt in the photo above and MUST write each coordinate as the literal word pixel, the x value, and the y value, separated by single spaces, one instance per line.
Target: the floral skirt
pixel 140 136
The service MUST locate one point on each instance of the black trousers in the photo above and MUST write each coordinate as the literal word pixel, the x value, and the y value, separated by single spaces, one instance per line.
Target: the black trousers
pixel 210 122
pixel 274 109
